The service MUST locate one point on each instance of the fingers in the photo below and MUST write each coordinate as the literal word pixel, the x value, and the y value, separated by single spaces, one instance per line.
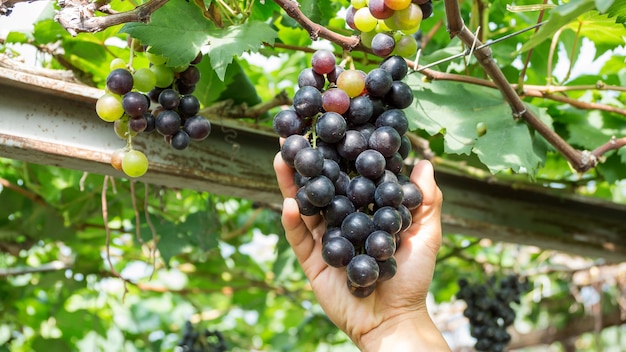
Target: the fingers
pixel 284 175
pixel 423 175
pixel 296 231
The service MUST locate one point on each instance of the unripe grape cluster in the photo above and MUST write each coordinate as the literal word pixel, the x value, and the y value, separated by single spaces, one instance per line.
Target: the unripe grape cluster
pixel 345 136
pixel 489 309
pixel 155 98
pixel 388 27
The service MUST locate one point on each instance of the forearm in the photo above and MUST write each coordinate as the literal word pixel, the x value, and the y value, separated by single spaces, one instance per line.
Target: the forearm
pixel 411 332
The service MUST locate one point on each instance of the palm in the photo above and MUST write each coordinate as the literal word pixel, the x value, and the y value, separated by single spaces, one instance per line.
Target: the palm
pixel 405 291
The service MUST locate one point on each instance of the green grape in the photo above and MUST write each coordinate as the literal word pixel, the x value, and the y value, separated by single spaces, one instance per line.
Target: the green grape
pixel 181 68
pixel 164 75
pixel 117 63
pixel 381 27
pixel 155 59
pixel 364 21
pixel 352 82
pixel 366 38
pixel 144 79
pixel 357 4
pixel 397 4
pixel 406 46
pixel 109 107
pixel 134 163
pixel 121 128
pixel 409 18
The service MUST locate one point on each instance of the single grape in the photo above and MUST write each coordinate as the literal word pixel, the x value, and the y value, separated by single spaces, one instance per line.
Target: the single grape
pixel 350 17
pixel 197 127
pixel 308 77
pixel 323 61
pixel 400 95
pixel 291 146
pixel 331 169
pixel 379 10
pixel 190 76
pixel 360 292
pixel 169 99
pixel 352 82
pixel 287 123
pixel 380 245
pixel 352 144
pixel 388 176
pixel 356 227
pixel 168 122
pixel 109 107
pixel 138 124
pixel 331 232
pixel 395 118
pixel 155 59
pixel 320 191
pixel 397 4
pixel 305 207
pixel 329 151
pixel 337 252
pixel 358 3
pixel 341 185
pixel 383 44
pixel 121 129
pixel 387 269
pixel 412 195
pixel 361 191
pixel 144 79
pixel 365 129
pixel 154 93
pixel 116 159
pixel 396 66
pixel 388 194
pixel 188 105
pixel 117 63
pixel 371 164
pixel 364 21
pixel 164 75
pixel 335 100
pixel 151 122
pixel 120 81
pixel 309 162
pixel 331 127
pixel 386 140
pixel 378 82
pixel 307 101
pixel 180 140
pixel 408 18
pixel 362 270
pixel 387 219
pixel 427 9
pixel 197 59
pixel 394 163
pixel 337 210
pixel 332 75
pixel 406 46
pixel 134 163
pixel 183 88
pixel 135 104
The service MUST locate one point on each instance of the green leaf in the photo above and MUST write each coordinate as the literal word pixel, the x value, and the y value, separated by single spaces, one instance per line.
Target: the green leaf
pixel 559 17
pixel 618 10
pixel 603 5
pixel 455 109
pixel 600 29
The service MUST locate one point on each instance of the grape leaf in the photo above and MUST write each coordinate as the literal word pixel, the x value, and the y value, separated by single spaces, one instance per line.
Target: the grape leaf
pixel 618 10
pixel 178 31
pixel 603 5
pixel 559 17
pixel 455 109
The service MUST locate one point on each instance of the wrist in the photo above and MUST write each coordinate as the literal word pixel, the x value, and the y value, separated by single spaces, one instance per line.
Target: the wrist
pixel 410 331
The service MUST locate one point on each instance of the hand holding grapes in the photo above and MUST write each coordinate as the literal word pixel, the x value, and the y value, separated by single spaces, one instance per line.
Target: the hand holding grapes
pixel 394 315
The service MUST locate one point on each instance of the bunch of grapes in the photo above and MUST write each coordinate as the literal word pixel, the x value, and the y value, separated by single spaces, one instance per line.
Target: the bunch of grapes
pixel 201 341
pixel 347 144
pixel 489 309
pixel 388 26
pixel 128 102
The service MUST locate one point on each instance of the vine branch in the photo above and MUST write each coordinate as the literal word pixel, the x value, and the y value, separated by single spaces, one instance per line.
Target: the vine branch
pixel 78 16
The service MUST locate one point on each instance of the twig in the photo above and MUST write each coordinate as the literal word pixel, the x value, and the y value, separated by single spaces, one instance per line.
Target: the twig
pixel 26 193
pixel 522 75
pixel 105 220
pixel 52 266
pixel 153 248
pixel 77 16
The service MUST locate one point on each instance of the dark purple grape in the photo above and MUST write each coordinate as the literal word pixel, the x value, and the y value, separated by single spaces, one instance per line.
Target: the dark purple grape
pixel 380 245
pixel 180 140
pixel 190 77
pixel 308 77
pixel 150 122
pixel 350 19
pixel 169 99
pixel 395 163
pixel 291 146
pixel 394 118
pixel 352 144
pixel 305 207
pixel 331 127
pixel 307 101
pixel 154 93
pixel 287 122
pixel 319 191
pixel 337 210
pixel 138 124
pixel 197 127
pixel 387 219
pixel 341 185
pixel 360 191
pixel 361 292
pixel 168 122
pixel 405 147
pixel 337 252
pixel 366 130
pixel 331 232
pixel 356 227
pixel 379 10
pixel 332 75
pixel 387 269
pixel 400 95
pixel 383 44
pixel 300 180
pixel 388 176
pixel 388 194
pixel 378 82
pixel 396 65
pixel 188 105
pixel 362 270
pixel 371 164
pixel 135 104
pixel 120 81
pixel 331 169
pixel 184 89
pixel 329 151
pixel 197 59
pixel 309 162
pixel 412 195
pixel 427 9
pixel 360 111
pixel 386 140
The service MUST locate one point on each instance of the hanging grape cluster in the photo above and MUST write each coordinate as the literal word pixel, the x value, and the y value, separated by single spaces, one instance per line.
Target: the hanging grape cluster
pixel 201 341
pixel 489 309
pixel 345 138
pixel 388 27
pixel 156 98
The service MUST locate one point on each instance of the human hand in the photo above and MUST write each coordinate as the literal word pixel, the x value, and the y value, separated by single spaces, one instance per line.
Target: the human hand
pixel 394 315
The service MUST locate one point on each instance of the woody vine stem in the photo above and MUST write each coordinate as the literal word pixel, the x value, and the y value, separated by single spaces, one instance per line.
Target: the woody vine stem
pixel 580 160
